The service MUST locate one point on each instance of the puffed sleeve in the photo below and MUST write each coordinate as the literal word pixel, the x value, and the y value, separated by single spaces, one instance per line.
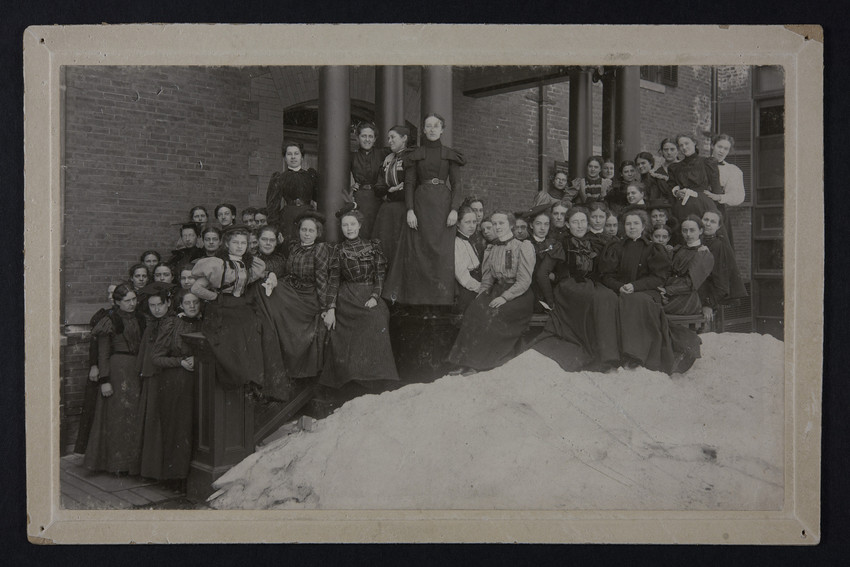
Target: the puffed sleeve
pixel 162 355
pixel 93 350
pixel 258 269
pixel 333 278
pixel 274 193
pixel 545 266
pixel 411 176
pixel 713 174
pixel 699 269
pixel 733 191
pixel 207 272
pixel 462 266
pixel 380 268
pixel 103 332
pixel 658 264
pixel 525 267
pixel 456 161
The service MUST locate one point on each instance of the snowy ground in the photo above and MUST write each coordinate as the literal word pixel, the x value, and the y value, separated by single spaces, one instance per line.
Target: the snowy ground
pixel 530 436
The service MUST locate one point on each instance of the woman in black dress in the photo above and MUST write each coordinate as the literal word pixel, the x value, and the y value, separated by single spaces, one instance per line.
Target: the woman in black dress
pixel 724 283
pixel 549 255
pixel 422 273
pixel 366 172
pixel 358 321
pixel 691 265
pixel 140 276
pixel 238 336
pixel 691 178
pixel 654 182
pixel 494 322
pixel 301 296
pixel 467 262
pixel 390 190
pixel 167 448
pixel 582 325
pixel 292 191
pixel 115 438
pixel 634 268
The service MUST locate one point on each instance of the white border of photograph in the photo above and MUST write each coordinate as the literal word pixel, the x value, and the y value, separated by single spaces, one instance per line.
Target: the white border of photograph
pixel 46 49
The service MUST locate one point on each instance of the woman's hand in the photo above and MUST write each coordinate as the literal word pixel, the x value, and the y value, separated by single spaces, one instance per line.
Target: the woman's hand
pixel 106 389
pixel 329 318
pixel 712 196
pixel 498 302
pixel 627 288
pixel 94 373
pixel 411 220
pixel 371 303
pixel 395 188
pixel 270 283
pixel 188 363
pixel 452 220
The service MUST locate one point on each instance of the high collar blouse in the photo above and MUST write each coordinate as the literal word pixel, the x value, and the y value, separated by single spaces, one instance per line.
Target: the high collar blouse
pixel 511 263
pixel 356 261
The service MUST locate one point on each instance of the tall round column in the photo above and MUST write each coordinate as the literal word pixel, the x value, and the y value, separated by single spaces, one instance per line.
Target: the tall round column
pixel 627 119
pixel 581 120
pixel 334 125
pixel 437 97
pixel 389 99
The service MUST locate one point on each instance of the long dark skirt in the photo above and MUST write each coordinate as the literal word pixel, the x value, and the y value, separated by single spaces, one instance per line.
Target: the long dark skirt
pixel 167 434
pixel 391 220
pixel 584 319
pixel 684 304
pixel 368 204
pixel 297 321
pixel 489 337
pixel 235 333
pixel 92 393
pixel 644 331
pixel 422 272
pixel 115 440
pixel 359 346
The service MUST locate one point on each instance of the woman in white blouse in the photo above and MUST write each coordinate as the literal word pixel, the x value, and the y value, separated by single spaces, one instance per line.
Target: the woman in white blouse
pixel 731 177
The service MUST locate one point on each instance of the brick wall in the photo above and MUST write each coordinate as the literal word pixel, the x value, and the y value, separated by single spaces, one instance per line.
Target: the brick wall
pixel 73 373
pixel 142 146
pixel 683 108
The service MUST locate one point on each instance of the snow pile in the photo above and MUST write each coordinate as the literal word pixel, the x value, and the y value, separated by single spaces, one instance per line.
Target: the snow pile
pixel 528 435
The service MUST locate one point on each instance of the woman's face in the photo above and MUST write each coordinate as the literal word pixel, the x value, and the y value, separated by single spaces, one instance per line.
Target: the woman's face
pixel 189 237
pixel 658 216
pixel 611 226
pixel 560 181
pixel 140 278
pixel 721 150
pixel 127 304
pixel 669 151
pixel 686 146
pixel 578 224
pixel 477 208
pixel 520 229
pixel 629 172
pixel 597 220
pixel 157 306
pixel 260 219
pixel 366 138
pixel 467 224
pixel 594 169
pixel 633 194
pixel 633 226
pixel 191 305
pixel 396 142
pixel 559 216
pixel 237 245
pixel 691 232
pixel 248 220
pixel 268 241
pixel 710 223
pixel 660 236
pixel 487 231
pixel 540 227
pixel 150 261
pixel 293 157
pixel 211 242
pixel 163 274
pixel 608 170
pixel 186 279
pixel 199 215
pixel 253 243
pixel 501 226
pixel 643 166
pixel 433 128
pixel 350 227
pixel 225 216
pixel 308 232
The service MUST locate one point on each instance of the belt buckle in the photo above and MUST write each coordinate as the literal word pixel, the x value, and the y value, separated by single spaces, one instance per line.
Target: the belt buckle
pixel 435 181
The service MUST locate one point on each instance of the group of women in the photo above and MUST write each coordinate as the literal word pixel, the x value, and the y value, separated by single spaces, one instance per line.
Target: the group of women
pixel 277 304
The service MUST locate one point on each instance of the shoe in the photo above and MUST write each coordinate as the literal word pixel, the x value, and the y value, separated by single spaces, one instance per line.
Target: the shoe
pixel 469 372
pixel 456 371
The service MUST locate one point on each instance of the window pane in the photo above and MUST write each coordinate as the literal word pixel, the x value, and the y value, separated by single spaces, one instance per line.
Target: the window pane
pixel 771 120
pixel 769 220
pixel 768 256
pixel 770 298
pixel 771 78
pixel 771 162
pixel 770 195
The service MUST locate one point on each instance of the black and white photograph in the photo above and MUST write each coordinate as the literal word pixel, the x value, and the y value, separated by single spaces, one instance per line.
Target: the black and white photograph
pixel 526 291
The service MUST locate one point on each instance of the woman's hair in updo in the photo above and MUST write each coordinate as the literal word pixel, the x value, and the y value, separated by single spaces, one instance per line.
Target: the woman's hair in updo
pixel 287 143
pixel 647 156
pixel 135 267
pixel 641 214
pixel 726 137
pixel 121 291
pixel 510 215
pixel 401 130
pixel 576 210
pixel 437 116
pixel 353 213
pixel 363 126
